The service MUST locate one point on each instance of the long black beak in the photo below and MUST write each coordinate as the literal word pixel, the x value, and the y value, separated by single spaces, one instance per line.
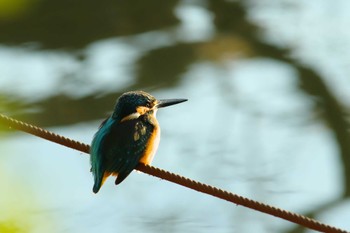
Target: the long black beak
pixel 166 103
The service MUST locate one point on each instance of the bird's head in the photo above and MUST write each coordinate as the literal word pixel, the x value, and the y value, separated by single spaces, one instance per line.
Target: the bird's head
pixel 133 104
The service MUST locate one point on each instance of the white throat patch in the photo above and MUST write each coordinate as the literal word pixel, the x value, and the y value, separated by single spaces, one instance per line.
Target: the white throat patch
pixel 132 116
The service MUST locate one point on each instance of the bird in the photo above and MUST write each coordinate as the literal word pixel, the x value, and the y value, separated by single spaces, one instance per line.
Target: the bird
pixel 130 135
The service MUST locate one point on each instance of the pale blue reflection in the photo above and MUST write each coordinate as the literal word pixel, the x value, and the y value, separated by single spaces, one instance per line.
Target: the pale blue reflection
pixel 315 31
pixel 38 74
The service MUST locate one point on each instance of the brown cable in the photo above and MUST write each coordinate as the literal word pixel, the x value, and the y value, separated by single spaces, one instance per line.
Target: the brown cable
pixel 186 182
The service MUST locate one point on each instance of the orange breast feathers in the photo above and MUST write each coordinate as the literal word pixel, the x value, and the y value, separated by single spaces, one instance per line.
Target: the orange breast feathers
pixel 152 146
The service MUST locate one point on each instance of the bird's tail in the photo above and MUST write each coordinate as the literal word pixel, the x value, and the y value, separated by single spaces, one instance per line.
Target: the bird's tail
pixel 97 184
pixel 100 179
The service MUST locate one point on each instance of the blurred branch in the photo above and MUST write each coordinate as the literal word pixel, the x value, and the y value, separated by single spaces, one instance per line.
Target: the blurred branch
pixel 231 17
pixel 333 112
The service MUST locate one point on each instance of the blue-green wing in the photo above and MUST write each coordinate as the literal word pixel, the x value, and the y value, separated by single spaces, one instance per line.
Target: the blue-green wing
pixel 124 145
pixel 96 153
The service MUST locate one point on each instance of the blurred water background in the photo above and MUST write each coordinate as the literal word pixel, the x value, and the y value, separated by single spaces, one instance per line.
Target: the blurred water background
pixel 268 84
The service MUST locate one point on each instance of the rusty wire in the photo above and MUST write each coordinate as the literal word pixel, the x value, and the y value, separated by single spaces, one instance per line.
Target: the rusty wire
pixel 180 180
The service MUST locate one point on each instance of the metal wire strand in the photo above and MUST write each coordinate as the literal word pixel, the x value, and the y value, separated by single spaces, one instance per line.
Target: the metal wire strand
pixel 180 180
pixel 42 133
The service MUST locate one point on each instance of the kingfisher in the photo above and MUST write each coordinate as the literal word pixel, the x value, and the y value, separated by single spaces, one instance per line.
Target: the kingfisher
pixel 129 136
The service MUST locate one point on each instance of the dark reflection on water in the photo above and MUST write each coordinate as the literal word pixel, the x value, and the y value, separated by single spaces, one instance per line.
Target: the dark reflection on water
pixel 73 25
